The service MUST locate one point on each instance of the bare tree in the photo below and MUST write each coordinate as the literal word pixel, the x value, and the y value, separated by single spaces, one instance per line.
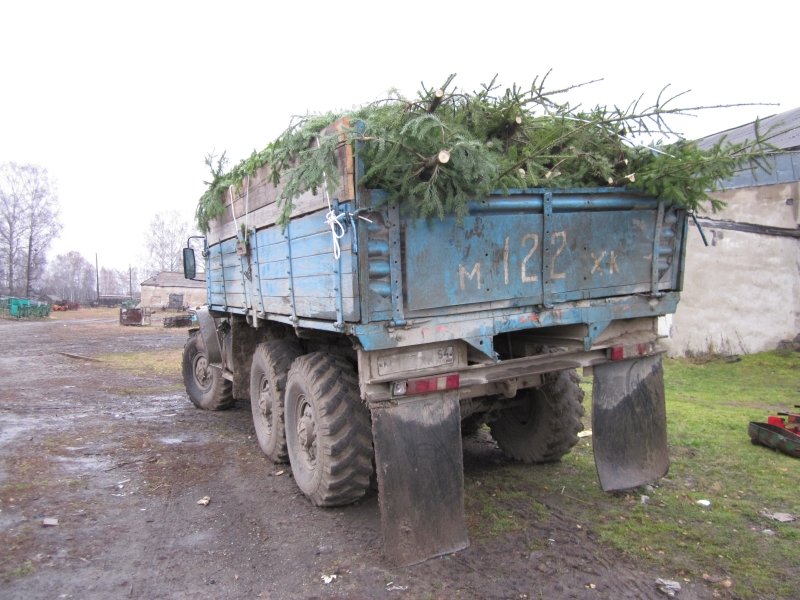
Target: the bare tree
pixel 165 241
pixel 113 281
pixel 71 277
pixel 28 224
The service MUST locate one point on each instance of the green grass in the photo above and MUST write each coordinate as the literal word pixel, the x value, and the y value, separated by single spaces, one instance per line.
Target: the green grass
pixel 709 406
pixel 157 362
pixel 20 571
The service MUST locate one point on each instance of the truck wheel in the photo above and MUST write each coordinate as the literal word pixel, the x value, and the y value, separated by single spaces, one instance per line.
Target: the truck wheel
pixel 271 363
pixel 545 427
pixel 206 386
pixel 328 431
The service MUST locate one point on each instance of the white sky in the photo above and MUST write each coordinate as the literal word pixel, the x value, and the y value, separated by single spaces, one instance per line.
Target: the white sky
pixel 121 101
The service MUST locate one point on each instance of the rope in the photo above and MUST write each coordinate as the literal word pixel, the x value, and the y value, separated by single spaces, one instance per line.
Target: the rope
pixel 337 230
pixel 233 210
pixel 331 218
pixel 246 201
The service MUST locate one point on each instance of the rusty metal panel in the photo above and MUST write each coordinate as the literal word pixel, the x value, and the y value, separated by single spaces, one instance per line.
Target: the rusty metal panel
pixel 491 258
pixel 130 316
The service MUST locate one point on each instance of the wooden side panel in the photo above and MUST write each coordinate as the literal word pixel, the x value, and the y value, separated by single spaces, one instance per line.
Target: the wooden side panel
pixel 254 202
pixel 284 266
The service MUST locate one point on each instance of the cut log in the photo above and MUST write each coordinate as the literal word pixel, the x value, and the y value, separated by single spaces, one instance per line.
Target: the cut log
pixel 438 96
pixel 442 158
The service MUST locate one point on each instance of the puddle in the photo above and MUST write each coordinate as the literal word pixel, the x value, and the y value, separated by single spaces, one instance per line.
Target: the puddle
pixel 12 428
pixel 83 464
pixel 172 441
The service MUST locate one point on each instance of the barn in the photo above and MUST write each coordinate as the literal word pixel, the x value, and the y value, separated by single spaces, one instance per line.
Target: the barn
pixel 168 290
pixel 742 290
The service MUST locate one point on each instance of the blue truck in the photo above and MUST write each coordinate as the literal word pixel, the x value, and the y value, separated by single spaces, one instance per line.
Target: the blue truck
pixel 368 340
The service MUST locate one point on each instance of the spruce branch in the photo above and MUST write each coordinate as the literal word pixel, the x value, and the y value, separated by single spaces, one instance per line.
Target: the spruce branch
pixel 437 152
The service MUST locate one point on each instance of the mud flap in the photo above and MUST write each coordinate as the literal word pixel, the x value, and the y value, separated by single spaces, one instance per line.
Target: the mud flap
pixel 629 423
pixel 420 471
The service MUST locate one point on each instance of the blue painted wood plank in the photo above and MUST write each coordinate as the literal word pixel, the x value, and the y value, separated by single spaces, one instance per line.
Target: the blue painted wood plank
pixel 319 286
pixel 304 267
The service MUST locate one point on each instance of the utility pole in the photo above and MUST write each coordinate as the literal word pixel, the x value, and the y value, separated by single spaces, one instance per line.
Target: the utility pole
pixel 97 273
pixel 130 282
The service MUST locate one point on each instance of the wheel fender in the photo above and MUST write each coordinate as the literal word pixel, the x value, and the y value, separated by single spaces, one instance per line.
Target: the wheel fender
pixel 208 330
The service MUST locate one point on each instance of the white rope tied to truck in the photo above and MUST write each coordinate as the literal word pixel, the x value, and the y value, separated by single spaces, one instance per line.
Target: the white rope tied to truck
pixel 246 204
pixel 332 219
pixel 337 230
pixel 233 208
pixel 246 201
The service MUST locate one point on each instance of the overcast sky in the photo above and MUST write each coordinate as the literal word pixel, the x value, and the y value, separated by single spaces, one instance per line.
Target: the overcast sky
pixel 121 101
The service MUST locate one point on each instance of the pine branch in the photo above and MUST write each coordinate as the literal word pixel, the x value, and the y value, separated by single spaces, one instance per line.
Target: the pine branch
pixel 435 153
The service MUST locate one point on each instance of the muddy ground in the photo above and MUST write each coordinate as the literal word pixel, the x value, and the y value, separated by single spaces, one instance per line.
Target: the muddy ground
pixel 121 459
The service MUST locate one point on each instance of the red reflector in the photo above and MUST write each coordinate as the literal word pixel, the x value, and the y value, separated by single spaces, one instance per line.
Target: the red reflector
pixel 630 351
pixel 432 384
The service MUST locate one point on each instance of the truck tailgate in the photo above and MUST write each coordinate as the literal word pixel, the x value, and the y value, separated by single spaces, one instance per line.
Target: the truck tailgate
pixel 541 249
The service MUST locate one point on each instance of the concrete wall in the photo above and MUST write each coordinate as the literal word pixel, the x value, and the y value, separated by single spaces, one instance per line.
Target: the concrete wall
pixel 742 292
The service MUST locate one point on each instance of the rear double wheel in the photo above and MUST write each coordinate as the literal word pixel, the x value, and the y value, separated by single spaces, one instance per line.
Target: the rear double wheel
pixel 270 367
pixel 328 430
pixel 545 425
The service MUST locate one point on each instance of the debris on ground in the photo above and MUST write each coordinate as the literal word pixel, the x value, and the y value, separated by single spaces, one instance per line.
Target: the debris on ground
pixel 781 517
pixel 393 587
pixel 79 356
pixel 704 503
pixel 49 522
pixel 329 578
pixel 204 501
pixel 723 581
pixel 178 321
pixel 668 587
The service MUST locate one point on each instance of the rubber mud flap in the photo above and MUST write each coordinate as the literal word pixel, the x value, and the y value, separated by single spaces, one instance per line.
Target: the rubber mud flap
pixel 420 470
pixel 629 423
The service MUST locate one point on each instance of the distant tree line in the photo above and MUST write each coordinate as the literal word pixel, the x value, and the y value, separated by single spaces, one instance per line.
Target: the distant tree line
pixel 29 222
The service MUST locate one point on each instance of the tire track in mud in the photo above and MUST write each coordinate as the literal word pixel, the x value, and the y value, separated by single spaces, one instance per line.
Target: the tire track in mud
pixel 258 537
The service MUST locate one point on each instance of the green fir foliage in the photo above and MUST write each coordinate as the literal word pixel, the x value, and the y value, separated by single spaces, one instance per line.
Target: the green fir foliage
pixel 447 146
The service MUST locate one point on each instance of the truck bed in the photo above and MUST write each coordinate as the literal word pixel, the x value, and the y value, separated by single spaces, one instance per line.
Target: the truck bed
pixel 518 260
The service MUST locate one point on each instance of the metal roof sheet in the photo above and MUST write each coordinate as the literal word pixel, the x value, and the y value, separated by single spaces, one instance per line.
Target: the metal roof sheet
pixel 781 130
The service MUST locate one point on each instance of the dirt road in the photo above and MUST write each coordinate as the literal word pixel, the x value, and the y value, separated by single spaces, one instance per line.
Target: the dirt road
pixel 120 457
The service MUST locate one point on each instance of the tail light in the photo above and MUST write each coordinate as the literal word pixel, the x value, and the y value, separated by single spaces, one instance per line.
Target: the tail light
pixel 426 385
pixel 631 351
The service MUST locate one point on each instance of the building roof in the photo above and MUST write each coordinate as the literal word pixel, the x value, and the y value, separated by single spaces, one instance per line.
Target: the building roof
pixel 168 279
pixel 781 130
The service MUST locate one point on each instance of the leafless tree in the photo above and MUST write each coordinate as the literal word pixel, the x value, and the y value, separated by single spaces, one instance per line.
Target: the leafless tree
pixel 113 281
pixel 165 241
pixel 71 277
pixel 28 224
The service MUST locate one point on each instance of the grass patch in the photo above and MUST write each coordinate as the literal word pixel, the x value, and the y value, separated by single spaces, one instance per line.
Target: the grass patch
pixel 151 362
pixel 21 571
pixel 709 406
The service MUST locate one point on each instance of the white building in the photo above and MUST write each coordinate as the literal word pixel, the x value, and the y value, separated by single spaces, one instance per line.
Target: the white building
pixel 742 291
